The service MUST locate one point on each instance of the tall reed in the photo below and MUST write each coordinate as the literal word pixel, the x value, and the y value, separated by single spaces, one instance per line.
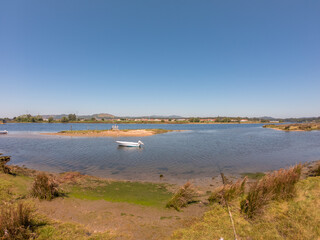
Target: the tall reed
pixel 16 222
pixel 182 197
pixel 279 185
pixel 228 192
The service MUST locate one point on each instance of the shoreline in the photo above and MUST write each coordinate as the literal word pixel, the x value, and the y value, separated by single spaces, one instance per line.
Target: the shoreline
pixel 295 127
pixel 169 123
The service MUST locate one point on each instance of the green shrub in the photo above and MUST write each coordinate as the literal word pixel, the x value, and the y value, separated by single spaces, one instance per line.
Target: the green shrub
pixel 184 196
pixel 45 187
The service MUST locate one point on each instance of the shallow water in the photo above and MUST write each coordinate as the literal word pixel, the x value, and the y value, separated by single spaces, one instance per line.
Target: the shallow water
pixel 200 152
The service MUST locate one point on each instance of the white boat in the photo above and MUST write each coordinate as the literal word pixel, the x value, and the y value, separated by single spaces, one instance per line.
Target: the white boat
pixel 4 132
pixel 130 144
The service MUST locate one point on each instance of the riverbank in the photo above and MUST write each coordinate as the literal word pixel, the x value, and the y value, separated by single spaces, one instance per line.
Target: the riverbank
pixel 295 127
pixel 99 208
pixel 112 133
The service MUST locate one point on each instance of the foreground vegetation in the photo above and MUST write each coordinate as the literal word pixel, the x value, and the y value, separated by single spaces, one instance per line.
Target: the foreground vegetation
pixel 295 126
pixel 276 205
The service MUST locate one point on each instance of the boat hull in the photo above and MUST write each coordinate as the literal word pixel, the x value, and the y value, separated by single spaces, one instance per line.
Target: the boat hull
pixel 128 144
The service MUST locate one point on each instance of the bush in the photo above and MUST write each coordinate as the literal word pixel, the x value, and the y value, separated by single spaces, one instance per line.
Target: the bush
pixel 228 192
pixel 3 161
pixel 184 196
pixel 45 187
pixel 279 185
pixel 16 222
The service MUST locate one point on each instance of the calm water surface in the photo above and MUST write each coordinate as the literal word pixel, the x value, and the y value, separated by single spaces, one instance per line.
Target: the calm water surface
pixel 197 153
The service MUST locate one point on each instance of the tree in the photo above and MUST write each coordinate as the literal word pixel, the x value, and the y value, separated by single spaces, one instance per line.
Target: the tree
pixel 64 120
pixel 93 119
pixel 72 117
pixel 50 120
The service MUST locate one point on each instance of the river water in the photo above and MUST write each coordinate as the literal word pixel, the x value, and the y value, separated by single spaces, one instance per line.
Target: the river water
pixel 200 152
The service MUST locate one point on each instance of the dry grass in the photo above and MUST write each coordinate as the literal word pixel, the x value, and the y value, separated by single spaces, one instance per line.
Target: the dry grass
pixel 279 185
pixel 228 192
pixel 16 222
pixel 45 187
pixel 295 219
pixel 184 196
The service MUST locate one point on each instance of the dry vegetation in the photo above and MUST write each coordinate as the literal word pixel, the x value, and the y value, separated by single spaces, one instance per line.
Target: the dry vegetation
pixel 16 222
pixel 184 196
pixel 228 192
pixel 279 185
pixel 3 161
pixel 45 187
pixel 278 206
pixel 295 126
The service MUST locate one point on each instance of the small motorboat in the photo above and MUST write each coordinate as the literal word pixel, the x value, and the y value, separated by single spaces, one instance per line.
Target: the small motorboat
pixel 4 132
pixel 130 144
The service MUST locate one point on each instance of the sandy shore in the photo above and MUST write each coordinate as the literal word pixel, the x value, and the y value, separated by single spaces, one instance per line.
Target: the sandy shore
pixel 111 133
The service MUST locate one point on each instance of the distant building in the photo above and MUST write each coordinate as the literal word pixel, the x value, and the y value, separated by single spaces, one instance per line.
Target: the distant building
pixel 244 120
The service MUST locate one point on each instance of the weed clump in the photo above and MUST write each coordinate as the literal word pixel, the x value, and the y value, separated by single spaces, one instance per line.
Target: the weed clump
pixel 279 185
pixel 228 192
pixel 45 187
pixel 16 222
pixel 184 196
pixel 3 167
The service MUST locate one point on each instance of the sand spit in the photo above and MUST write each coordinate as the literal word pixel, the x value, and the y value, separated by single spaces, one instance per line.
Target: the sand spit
pixel 112 133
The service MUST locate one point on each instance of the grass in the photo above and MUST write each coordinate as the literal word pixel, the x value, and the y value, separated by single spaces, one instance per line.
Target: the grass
pixel 14 186
pixel 295 219
pixel 70 231
pixel 147 194
pixel 256 175
pixel 184 196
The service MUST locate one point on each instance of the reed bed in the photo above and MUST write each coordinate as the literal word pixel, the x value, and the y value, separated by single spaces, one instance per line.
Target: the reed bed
pixel 279 185
pixel 228 192
pixel 184 196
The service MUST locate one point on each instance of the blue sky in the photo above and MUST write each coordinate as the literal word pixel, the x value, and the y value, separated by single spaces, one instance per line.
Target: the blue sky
pixel 191 58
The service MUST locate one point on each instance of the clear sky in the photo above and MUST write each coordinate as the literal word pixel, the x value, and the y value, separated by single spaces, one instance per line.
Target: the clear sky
pixel 145 57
